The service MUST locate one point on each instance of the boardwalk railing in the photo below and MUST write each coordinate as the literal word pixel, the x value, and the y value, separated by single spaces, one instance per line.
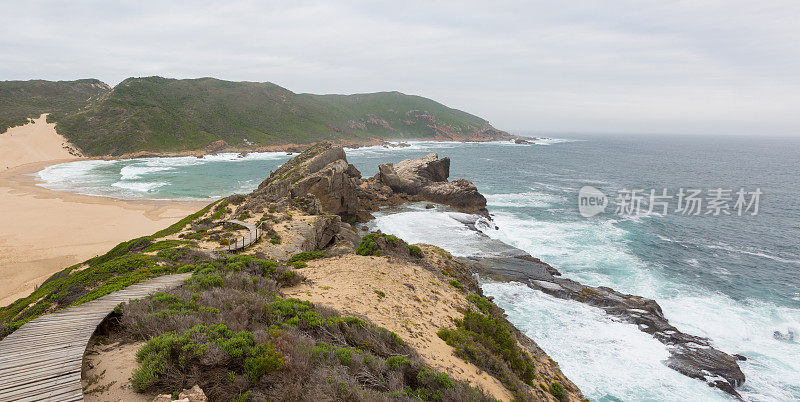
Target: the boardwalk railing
pixel 238 243
pixel 41 361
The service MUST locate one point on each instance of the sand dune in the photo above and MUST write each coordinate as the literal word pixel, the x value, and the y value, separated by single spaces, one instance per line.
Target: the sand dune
pixel 44 231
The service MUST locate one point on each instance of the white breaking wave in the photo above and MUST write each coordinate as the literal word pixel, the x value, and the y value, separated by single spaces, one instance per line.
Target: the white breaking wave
pixel 445 230
pixel 70 171
pixel 142 187
pixel 528 199
pixel 133 172
pixel 608 360
pixel 235 157
pixel 551 141
pixel 756 253
pixel 746 327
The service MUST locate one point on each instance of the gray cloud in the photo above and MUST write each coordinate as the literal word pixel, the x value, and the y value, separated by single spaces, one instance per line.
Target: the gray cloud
pixel 580 66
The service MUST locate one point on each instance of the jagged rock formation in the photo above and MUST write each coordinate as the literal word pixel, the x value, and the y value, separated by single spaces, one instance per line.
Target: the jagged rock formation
pixel 422 179
pixel 322 181
pixel 321 171
pixel 690 355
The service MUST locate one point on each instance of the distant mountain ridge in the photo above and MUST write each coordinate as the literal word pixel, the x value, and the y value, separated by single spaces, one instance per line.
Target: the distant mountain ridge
pixel 21 101
pixel 155 114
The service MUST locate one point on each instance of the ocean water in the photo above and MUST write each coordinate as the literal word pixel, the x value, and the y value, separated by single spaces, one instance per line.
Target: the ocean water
pixel 731 278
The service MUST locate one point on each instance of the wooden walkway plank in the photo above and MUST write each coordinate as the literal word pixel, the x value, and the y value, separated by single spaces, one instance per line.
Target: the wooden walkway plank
pixel 41 361
pixel 240 242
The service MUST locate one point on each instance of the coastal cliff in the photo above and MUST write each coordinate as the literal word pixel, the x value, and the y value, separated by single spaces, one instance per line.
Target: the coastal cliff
pixel 315 277
pixel 315 309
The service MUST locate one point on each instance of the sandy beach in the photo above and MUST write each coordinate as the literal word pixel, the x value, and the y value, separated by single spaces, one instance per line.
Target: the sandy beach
pixel 43 231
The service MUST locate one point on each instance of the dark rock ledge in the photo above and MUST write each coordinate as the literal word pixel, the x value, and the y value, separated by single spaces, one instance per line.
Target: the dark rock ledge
pixel 690 355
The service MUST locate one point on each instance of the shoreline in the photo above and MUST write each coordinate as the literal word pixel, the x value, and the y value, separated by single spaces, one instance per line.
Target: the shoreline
pixel 52 229
pixel 297 148
pixel 43 231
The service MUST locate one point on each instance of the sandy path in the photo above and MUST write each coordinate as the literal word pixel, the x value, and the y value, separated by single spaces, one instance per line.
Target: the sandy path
pixel 415 305
pixel 44 231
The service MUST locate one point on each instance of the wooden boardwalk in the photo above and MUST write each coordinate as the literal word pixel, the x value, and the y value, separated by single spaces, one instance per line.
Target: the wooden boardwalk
pixel 41 361
pixel 240 242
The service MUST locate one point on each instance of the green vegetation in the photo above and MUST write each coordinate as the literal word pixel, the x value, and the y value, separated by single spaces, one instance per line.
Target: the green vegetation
pixel 306 256
pixel 487 341
pixel 23 100
pixel 161 115
pixel 457 284
pixel 369 243
pixel 248 359
pixel 483 304
pixel 238 340
pixel 179 225
pixel 557 390
pixel 415 251
pixel 164 244
pixel 381 294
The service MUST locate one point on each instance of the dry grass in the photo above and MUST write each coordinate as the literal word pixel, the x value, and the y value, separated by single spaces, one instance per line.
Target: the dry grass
pixel 322 355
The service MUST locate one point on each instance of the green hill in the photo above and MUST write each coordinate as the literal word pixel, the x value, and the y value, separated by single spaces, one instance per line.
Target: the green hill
pixel 23 100
pixel 168 115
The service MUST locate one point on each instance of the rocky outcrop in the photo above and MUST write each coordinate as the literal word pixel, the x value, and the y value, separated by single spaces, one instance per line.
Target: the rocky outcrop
pixel 690 355
pixel 304 233
pixel 321 172
pixel 422 179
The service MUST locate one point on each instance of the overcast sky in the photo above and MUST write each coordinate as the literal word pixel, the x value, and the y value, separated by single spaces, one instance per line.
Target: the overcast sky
pixel 716 67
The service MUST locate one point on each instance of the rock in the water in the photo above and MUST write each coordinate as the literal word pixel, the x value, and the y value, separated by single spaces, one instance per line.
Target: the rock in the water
pixel 690 355
pixel 321 171
pixel 460 193
pixel 427 168
pixel 788 336
pixel 426 179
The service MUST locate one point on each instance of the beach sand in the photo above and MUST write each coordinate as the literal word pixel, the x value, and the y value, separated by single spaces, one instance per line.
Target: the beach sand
pixel 43 231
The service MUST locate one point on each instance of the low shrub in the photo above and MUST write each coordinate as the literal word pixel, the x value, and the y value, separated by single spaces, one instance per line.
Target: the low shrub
pixel 178 351
pixel 306 256
pixel 415 251
pixel 164 244
pixel 370 243
pixel 483 304
pixel 557 390
pixel 242 340
pixel 203 281
pixel 488 342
